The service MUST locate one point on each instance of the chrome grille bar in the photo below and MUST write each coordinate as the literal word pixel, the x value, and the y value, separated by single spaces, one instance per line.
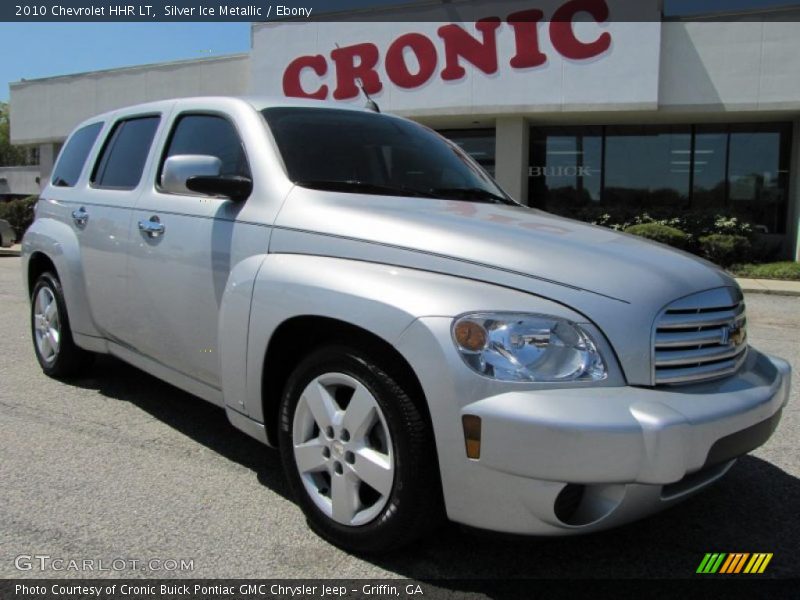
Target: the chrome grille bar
pixel 700 338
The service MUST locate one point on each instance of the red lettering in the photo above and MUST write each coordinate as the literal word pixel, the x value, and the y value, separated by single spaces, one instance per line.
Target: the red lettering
pixel 562 33
pixel 460 44
pixel 348 71
pixel 464 209
pixel 291 77
pixel 360 61
pixel 545 227
pixel 495 218
pixel 526 38
pixel 396 67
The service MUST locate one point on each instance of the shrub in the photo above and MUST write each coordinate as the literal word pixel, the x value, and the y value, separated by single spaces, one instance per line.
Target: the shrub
pixel 776 270
pixel 661 233
pixel 725 250
pixel 19 213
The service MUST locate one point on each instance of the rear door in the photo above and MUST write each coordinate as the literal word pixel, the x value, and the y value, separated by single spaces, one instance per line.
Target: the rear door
pixel 102 216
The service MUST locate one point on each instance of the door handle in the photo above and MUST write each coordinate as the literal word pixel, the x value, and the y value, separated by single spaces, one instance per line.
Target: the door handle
pixel 153 228
pixel 80 216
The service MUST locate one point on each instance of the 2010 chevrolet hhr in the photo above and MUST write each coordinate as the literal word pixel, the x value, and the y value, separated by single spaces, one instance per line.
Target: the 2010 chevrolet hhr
pixel 352 288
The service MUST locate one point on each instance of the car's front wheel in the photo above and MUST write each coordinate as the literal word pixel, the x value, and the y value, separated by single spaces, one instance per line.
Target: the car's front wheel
pixel 358 452
pixel 52 338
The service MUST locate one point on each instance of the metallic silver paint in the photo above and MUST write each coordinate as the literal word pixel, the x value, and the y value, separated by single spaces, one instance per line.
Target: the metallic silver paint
pixel 197 306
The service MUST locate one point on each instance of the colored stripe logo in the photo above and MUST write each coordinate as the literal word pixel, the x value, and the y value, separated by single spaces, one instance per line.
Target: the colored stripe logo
pixel 734 563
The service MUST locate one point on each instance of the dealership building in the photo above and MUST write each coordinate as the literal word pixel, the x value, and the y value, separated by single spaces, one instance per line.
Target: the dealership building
pixel 573 110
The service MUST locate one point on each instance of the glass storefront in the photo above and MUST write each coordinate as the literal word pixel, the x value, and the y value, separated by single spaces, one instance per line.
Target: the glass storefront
pixel 742 169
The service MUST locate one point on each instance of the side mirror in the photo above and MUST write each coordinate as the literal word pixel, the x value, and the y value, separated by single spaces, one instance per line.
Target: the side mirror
pixel 234 187
pixel 179 168
pixel 198 174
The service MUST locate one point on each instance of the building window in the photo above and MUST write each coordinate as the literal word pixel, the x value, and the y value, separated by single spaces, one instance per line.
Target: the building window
pixel 648 167
pixel 742 169
pixel 566 168
pixel 478 143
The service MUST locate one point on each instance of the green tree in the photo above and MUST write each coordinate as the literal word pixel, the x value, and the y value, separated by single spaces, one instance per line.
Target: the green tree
pixel 10 156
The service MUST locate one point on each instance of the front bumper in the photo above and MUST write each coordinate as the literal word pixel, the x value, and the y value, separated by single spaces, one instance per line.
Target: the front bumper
pixel 614 454
pixel 629 434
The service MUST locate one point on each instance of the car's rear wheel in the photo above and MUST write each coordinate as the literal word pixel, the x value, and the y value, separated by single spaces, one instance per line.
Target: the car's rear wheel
pixel 358 453
pixel 52 338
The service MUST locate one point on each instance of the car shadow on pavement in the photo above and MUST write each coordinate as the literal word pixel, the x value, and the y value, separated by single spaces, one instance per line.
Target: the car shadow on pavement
pixel 754 508
pixel 191 416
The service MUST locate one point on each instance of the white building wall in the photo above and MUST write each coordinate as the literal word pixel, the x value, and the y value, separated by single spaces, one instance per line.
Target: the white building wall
pixel 46 110
pixel 19 180
pixel 623 78
pixel 738 66
pixel 511 165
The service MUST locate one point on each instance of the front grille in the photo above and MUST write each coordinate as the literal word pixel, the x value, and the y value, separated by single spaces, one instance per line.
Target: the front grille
pixel 700 337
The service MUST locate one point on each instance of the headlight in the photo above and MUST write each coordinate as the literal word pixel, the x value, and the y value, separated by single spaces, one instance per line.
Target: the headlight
pixel 527 347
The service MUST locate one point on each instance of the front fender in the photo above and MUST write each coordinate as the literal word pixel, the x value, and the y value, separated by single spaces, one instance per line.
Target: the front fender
pixel 58 242
pixel 382 299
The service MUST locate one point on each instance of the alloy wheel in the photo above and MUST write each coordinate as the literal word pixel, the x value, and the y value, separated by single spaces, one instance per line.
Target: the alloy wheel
pixel 343 449
pixel 47 325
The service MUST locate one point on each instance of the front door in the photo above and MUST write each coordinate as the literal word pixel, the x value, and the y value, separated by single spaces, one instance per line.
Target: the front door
pixel 183 247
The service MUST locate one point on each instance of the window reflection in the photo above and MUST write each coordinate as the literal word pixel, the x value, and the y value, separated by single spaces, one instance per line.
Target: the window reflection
pixel 582 172
pixel 478 143
pixel 710 154
pixel 566 168
pixel 648 166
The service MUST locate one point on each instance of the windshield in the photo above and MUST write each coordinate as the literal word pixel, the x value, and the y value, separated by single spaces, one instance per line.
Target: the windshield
pixel 369 153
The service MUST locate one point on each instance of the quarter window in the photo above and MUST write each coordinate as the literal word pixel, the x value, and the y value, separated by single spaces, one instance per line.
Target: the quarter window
pixel 209 135
pixel 122 161
pixel 70 164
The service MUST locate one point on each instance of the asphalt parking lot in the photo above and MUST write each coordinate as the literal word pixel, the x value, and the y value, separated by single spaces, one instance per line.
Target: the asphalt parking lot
pixel 120 465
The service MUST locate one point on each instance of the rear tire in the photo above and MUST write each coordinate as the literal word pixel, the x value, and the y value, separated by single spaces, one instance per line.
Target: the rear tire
pixel 358 453
pixel 53 345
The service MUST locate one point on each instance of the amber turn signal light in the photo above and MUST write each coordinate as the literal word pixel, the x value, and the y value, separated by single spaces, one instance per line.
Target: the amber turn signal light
pixel 472 435
pixel 470 336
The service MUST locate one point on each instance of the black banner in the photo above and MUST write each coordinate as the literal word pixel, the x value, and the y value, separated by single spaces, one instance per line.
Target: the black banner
pixel 377 10
pixel 749 587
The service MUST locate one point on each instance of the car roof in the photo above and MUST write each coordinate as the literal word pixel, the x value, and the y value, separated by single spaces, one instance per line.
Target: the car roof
pixel 255 102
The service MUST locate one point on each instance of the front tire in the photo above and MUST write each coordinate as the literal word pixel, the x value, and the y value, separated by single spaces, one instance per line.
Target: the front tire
pixel 358 453
pixel 55 349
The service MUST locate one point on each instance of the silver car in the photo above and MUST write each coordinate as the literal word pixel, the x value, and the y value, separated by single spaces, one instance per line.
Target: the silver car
pixel 7 235
pixel 354 289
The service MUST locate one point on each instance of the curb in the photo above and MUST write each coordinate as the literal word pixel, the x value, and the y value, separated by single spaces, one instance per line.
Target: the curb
pixel 775 287
pixel 768 292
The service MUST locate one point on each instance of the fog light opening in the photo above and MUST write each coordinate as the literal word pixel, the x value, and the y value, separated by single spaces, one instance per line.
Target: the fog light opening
pixel 581 505
pixel 568 501
pixel 472 435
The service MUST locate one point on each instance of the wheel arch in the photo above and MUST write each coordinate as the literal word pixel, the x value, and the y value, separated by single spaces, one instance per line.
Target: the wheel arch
pixel 38 263
pixel 51 244
pixel 295 337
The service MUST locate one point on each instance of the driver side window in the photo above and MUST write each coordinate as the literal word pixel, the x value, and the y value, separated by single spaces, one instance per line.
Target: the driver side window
pixel 208 135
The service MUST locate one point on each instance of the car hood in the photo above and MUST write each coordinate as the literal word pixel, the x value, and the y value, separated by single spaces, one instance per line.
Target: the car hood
pixel 619 282
pixel 515 239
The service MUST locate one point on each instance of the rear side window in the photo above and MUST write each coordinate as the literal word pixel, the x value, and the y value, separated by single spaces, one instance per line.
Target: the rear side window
pixel 209 135
pixel 73 156
pixel 122 161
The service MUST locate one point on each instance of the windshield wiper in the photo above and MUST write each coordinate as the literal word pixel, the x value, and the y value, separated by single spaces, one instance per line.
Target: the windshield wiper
pixel 363 187
pixel 470 193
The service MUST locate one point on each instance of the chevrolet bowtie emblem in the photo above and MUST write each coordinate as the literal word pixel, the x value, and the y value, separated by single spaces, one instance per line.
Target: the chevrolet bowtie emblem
pixel 733 334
